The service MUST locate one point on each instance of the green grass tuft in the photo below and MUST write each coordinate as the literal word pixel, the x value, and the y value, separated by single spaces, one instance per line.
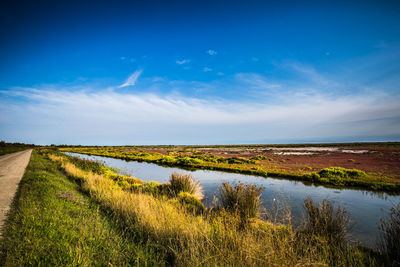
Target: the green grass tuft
pixel 185 183
pixel 324 220
pixel 241 198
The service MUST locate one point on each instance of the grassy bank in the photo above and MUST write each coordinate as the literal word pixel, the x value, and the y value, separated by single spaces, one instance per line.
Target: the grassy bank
pixel 52 223
pixel 216 237
pixel 338 177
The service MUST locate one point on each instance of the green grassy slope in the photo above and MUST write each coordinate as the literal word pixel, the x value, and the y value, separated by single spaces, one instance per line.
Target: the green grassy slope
pixel 53 223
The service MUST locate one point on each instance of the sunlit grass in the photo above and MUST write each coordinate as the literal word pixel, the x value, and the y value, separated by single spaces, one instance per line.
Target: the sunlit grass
pixel 209 238
pixel 52 223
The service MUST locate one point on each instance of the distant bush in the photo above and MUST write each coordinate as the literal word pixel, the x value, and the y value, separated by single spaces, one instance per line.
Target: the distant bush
pixel 185 183
pixel 259 157
pixel 324 220
pixel 389 242
pixel 339 172
pixel 168 160
pixel 188 161
pixel 236 160
pixel 241 198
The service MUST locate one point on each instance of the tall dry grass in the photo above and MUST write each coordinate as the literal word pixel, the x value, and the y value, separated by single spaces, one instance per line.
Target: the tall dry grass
pixel 185 183
pixel 208 240
pixel 324 220
pixel 241 198
pixel 389 242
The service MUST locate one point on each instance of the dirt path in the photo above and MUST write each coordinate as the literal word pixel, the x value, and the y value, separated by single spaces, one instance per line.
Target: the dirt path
pixel 12 168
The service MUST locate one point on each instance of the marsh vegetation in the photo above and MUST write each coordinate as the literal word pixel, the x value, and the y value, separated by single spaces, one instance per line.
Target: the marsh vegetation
pixel 264 161
pixel 161 223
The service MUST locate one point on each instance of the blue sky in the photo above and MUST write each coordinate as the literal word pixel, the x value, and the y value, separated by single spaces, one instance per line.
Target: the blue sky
pixel 199 72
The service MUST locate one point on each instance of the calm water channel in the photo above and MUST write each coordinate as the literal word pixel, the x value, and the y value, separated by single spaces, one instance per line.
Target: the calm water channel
pixel 365 208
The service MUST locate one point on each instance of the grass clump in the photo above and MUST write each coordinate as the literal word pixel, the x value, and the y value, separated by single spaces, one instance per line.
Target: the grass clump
pixel 389 242
pixel 185 183
pixel 152 188
pixel 241 198
pixel 259 157
pixel 191 203
pixel 324 220
pixel 339 172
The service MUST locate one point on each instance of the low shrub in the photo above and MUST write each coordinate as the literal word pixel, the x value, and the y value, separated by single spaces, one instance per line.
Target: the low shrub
pixel 188 161
pixel 324 220
pixel 259 157
pixel 339 172
pixel 268 227
pixel 167 160
pixel 241 198
pixel 184 183
pixel 191 203
pixel 389 242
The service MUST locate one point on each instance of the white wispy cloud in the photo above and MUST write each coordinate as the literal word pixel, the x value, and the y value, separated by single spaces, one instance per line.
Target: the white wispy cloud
pixel 212 52
pixel 252 107
pixel 183 61
pixel 106 116
pixel 206 69
pixel 131 81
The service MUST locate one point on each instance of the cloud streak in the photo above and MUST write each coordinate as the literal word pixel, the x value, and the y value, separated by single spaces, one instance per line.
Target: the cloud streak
pixel 131 81
pixel 183 61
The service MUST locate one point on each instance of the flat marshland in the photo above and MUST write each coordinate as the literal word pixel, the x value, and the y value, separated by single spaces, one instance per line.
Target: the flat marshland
pixel 374 166
pixel 70 211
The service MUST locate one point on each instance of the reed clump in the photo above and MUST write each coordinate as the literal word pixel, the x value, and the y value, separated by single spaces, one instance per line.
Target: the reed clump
pixel 179 182
pixel 241 198
pixel 389 242
pixel 324 220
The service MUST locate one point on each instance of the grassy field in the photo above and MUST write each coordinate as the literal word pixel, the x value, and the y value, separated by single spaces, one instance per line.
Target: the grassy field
pixel 75 212
pixel 337 167
pixel 53 223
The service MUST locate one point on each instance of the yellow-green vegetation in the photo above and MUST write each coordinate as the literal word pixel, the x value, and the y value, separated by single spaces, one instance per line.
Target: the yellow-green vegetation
pixel 185 183
pixel 186 236
pixel 334 176
pixel 52 223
